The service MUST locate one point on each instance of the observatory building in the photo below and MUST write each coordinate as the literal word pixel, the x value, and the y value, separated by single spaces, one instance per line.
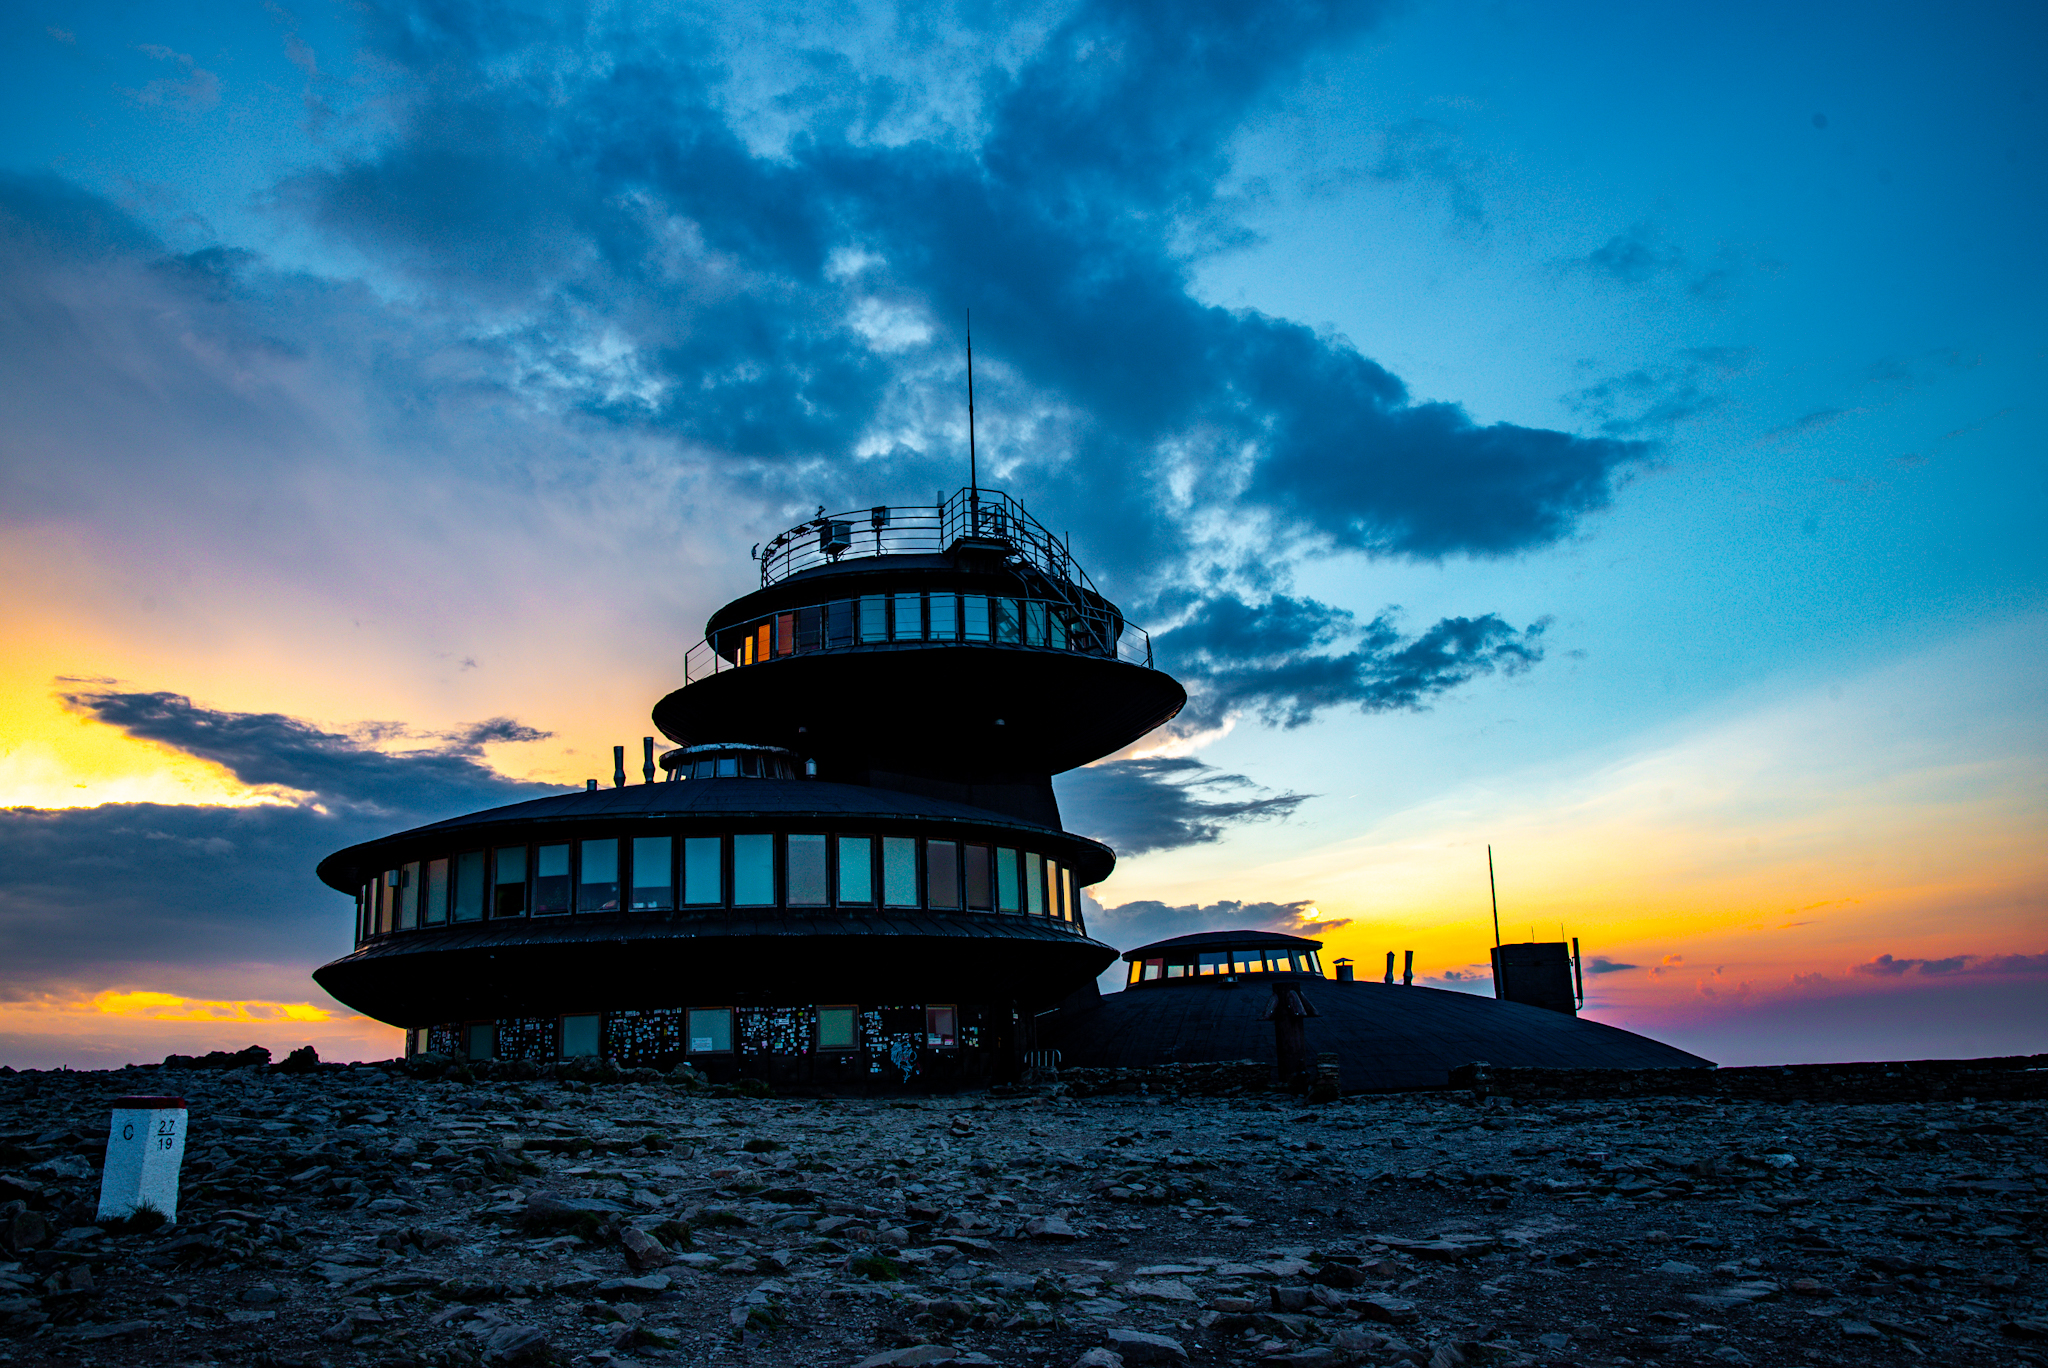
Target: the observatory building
pixel 850 870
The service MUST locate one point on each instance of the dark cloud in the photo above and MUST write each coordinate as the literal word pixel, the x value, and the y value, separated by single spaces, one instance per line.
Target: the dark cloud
pixel 1429 153
pixel 1600 964
pixel 1164 803
pixel 1884 966
pixel 1634 257
pixel 1271 658
pixel 1652 400
pixel 1132 924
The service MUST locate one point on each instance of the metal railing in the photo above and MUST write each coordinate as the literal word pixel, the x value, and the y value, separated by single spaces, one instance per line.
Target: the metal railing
pixel 894 622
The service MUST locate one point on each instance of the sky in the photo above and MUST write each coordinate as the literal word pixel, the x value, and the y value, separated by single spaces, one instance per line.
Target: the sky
pixel 1609 434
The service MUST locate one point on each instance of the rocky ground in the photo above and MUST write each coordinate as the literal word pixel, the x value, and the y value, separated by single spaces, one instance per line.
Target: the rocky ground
pixel 360 1216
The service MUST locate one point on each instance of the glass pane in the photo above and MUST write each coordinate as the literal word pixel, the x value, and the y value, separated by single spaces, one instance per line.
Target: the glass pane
pixel 469 886
pixel 728 767
pixel 975 861
pixel 1152 968
pixel 551 878
pixel 1053 906
pixel 874 618
pixel 654 888
pixel 710 1030
pixel 508 882
pixel 856 869
pixel 1034 884
pixel 974 617
pixel 483 1040
pixel 941 1026
pixel 753 871
pixel 941 874
pixel 836 1028
pixel 909 625
pixel 1006 880
pixel 703 874
pixel 1059 632
pixel 1034 624
pixel 1176 971
pixel 409 896
pixel 1136 970
pixel 810 628
pixel 1215 961
pixel 1006 620
pixel 899 871
pixel 1070 903
pixel 785 634
pixel 750 766
pixel 597 883
pixel 387 892
pixel 839 624
pixel 436 909
pixel 579 1037
pixel 945 618
pixel 806 875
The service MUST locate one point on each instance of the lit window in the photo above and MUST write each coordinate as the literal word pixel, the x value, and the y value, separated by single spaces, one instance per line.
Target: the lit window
pixel 1054 887
pixel 909 625
pixel 753 871
pixel 1153 969
pixel 1006 880
pixel 1245 961
pixel 1214 961
pixel 945 617
pixel 409 896
pixel 654 888
pixel 899 871
pixel 856 869
pixel 597 885
pixel 711 1030
pixel 806 871
pixel 579 1037
pixel 941 874
pixel 703 875
pixel 1176 971
pixel 1136 970
pixel 838 1028
pixel 1034 884
pixel 387 893
pixel 974 617
pixel 975 863
pixel 761 641
pixel 1314 963
pixel 874 618
pixel 785 634
pixel 483 1040
pixel 551 879
pixel 942 1027
pixel 469 886
pixel 436 909
pixel 508 881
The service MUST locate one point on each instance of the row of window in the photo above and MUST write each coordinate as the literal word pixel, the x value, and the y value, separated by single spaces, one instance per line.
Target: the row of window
pixel 879 618
pixel 1259 960
pixel 765 869
pixel 833 1029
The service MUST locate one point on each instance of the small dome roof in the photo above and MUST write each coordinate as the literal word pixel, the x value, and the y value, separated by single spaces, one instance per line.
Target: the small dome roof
pixel 1204 939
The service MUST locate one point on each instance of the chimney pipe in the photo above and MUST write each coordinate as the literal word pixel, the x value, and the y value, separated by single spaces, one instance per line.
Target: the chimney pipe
pixel 590 785
pixel 618 766
pixel 1344 971
pixel 1390 966
pixel 1408 971
pixel 647 758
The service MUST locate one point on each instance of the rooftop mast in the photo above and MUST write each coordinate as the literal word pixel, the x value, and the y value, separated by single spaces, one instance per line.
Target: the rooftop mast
pixel 973 467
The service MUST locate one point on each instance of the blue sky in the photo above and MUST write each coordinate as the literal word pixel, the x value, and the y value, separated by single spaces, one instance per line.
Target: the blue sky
pixel 1499 412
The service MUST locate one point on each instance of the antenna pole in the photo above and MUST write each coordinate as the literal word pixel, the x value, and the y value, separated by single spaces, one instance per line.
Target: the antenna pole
pixel 1495 891
pixel 973 465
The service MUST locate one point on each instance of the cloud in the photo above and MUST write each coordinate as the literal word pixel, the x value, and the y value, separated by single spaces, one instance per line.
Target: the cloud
pixel 1885 966
pixel 1132 924
pixel 1633 258
pixel 1653 400
pixel 1164 803
pixel 1270 658
pixel 197 91
pixel 1431 154
pixel 1600 964
pixel 1810 422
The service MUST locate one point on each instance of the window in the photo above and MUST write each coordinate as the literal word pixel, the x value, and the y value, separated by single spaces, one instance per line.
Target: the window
pixel 551 879
pixel 597 884
pixel 1006 625
pixel 508 882
pixel 409 896
pixel 728 766
pixel 711 1030
pixel 579 1036
pixel 945 617
pixel 874 618
pixel 1034 884
pixel 1214 961
pixel 753 871
pixel 1176 971
pixel 806 872
pixel 941 874
pixel 469 886
pixel 974 617
pixel 1137 969
pixel 785 634
pixel 654 888
pixel 899 871
pixel 1053 887
pixel 810 628
pixel 1034 624
pixel 703 872
pixel 856 869
pixel 838 1028
pixel 386 882
pixel 1313 963
pixel 1245 961
pixel 1058 631
pixel 436 909
pixel 839 625
pixel 1153 969
pixel 909 625
pixel 942 1027
pixel 482 1039
pixel 1006 880
pixel 975 862
pixel 761 641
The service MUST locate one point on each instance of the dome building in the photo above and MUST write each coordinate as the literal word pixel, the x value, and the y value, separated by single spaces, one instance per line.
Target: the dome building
pixel 850 871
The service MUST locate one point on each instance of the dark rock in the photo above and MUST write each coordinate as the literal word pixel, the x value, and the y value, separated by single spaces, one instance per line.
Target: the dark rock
pixel 517 1346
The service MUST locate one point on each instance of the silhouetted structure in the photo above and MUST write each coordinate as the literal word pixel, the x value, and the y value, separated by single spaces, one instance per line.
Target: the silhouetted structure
pixel 854 872
pixel 1538 974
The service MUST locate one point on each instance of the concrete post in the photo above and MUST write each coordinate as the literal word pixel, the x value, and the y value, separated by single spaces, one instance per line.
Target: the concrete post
pixel 145 1149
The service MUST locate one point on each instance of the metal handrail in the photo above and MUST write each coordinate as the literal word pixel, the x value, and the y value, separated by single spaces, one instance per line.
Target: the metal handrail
pixel 969 514
pixel 1089 631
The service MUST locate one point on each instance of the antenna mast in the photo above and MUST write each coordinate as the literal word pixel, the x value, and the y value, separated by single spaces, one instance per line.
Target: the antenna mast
pixel 973 466
pixel 1495 891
